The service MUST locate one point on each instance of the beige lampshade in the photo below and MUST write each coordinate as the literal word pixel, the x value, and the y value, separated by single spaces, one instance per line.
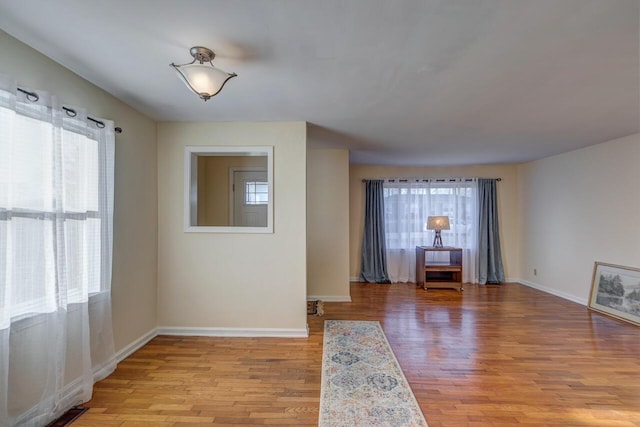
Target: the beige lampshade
pixel 438 223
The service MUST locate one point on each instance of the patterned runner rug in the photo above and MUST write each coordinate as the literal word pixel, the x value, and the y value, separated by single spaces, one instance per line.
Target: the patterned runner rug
pixel 362 383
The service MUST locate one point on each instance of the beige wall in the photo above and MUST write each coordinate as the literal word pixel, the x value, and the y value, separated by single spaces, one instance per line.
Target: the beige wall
pixel 508 204
pixel 328 224
pixel 230 280
pixel 213 185
pixel 136 207
pixel 578 208
pixel 592 195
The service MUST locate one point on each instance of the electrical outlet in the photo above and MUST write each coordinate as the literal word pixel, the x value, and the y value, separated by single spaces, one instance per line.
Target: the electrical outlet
pixel 535 271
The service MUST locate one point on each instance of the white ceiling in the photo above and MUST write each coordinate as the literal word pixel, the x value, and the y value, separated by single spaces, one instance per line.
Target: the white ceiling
pixel 402 82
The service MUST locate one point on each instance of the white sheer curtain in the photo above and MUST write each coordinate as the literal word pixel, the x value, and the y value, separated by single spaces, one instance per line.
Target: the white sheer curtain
pixel 408 203
pixel 56 210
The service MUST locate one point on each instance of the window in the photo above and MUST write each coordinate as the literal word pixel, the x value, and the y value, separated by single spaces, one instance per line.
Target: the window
pixel 51 216
pixel 256 193
pixel 204 187
pixel 408 204
pixel 56 211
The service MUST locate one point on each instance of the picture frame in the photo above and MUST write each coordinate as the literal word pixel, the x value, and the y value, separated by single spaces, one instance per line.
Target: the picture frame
pixel 615 291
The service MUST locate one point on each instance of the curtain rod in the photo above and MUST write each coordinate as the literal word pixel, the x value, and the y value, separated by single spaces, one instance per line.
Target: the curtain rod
pixel 34 97
pixel 427 179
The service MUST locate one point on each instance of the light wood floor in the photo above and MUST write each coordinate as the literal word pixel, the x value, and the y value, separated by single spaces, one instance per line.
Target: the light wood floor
pixel 491 356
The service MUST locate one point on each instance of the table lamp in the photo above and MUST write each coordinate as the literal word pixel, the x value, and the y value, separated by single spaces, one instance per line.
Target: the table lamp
pixel 438 223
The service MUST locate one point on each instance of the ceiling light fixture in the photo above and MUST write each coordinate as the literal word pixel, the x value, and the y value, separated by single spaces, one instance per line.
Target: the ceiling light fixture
pixel 203 79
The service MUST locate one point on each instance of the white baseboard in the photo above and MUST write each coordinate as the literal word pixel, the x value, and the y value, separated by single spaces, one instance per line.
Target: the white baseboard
pixel 551 291
pixel 354 279
pixel 234 332
pixel 329 298
pixel 104 370
pixel 72 392
pixel 136 345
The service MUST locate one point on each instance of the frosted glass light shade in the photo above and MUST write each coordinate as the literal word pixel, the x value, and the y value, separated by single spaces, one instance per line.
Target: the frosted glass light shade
pixel 203 79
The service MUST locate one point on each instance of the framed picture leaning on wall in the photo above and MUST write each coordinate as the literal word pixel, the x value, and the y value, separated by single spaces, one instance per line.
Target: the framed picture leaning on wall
pixel 615 291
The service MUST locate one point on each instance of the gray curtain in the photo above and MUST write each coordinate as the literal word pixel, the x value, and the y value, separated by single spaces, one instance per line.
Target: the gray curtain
pixel 490 268
pixel 374 258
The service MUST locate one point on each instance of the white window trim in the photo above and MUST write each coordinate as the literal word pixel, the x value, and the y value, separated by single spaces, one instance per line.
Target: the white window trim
pixel 191 186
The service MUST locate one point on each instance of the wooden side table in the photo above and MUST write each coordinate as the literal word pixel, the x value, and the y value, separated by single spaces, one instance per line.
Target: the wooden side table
pixel 435 269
